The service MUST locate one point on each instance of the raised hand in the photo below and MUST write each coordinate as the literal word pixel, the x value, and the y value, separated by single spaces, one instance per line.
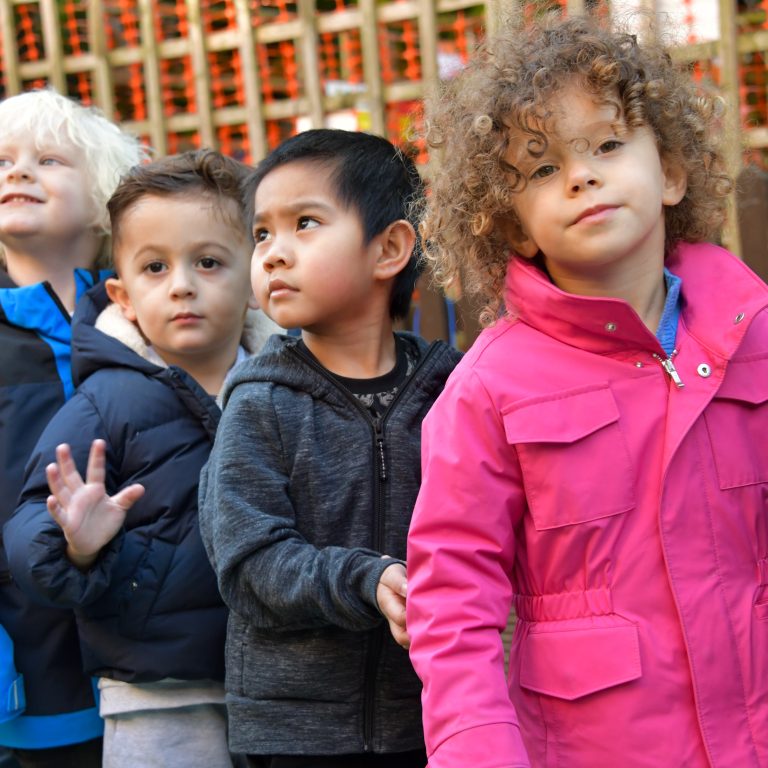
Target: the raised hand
pixel 390 595
pixel 88 517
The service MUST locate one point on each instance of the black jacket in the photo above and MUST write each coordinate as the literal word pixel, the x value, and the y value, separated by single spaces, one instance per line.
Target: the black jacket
pixel 149 607
pixel 35 381
pixel 302 495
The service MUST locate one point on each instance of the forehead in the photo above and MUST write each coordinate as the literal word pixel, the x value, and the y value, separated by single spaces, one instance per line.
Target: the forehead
pixel 177 219
pixel 572 115
pixel 17 138
pixel 294 182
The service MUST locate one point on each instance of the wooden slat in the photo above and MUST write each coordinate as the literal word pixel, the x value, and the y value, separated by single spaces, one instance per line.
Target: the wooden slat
pixel 254 109
pixel 308 47
pixel 369 42
pixel 729 85
pixel 202 81
pixel 54 53
pixel 103 86
pixel 10 60
pixel 155 123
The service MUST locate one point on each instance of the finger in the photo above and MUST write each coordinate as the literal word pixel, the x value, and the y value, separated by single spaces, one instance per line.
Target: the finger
pixel 126 498
pixel 54 509
pixel 56 484
pixel 400 635
pixel 95 472
pixel 69 474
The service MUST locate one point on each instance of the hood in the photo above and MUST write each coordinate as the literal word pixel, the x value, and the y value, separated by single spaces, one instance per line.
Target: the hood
pixel 282 362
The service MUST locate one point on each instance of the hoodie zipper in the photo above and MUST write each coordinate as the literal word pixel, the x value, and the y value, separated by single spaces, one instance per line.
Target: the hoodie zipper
pixel 380 477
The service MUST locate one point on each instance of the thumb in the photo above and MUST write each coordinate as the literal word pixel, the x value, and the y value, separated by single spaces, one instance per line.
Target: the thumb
pixel 126 498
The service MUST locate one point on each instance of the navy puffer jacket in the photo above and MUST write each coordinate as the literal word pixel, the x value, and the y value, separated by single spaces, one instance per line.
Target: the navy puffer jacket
pixel 149 608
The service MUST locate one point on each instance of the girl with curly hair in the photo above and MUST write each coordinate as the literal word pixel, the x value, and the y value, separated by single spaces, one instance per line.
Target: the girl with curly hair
pixel 598 459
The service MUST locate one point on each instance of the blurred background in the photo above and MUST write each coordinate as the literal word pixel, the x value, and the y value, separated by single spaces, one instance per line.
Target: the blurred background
pixel 241 75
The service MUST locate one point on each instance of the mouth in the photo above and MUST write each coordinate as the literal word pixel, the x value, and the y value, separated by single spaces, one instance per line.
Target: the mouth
pixel 279 287
pixel 17 198
pixel 186 317
pixel 595 214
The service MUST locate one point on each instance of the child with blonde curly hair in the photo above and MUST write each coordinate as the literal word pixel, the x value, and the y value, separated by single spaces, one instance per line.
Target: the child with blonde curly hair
pixel 598 459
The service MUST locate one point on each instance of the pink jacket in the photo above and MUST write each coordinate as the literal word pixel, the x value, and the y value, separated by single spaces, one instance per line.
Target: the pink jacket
pixel 624 518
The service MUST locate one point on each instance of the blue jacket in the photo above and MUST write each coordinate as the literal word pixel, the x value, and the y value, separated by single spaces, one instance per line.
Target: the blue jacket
pixel 35 381
pixel 149 608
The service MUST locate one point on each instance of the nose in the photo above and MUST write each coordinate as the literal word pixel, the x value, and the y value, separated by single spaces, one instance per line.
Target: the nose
pixel 18 170
pixel 582 175
pixel 277 253
pixel 182 283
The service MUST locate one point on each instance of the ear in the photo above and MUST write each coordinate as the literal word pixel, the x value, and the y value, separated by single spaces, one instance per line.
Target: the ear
pixel 395 246
pixel 117 293
pixel 675 182
pixel 516 238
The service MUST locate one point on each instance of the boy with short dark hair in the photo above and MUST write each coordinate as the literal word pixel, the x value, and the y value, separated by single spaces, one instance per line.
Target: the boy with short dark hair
pixel 123 548
pixel 307 497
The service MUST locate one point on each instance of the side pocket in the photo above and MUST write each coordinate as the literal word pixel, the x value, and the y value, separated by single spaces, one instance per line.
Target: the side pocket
pixel 568 662
pixel 565 441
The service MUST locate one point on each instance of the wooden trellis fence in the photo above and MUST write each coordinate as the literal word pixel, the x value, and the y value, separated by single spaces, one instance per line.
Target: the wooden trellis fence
pixel 241 75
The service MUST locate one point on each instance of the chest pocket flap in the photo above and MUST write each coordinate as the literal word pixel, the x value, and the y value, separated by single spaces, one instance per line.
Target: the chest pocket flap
pixel 737 420
pixel 573 456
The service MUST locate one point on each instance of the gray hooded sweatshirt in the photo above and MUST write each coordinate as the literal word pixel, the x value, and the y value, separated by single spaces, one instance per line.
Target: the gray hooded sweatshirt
pixel 303 494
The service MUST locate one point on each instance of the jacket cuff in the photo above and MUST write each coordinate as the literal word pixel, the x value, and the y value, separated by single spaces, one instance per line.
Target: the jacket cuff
pixel 497 745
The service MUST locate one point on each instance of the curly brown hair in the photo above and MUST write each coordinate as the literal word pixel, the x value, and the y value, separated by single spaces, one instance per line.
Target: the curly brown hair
pixel 508 84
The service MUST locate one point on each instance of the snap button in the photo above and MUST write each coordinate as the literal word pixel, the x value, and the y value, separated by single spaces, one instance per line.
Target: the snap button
pixel 611 327
pixel 738 318
pixel 704 370
pixel 638 364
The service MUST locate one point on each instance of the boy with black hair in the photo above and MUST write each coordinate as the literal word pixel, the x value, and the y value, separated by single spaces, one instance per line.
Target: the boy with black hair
pixel 307 497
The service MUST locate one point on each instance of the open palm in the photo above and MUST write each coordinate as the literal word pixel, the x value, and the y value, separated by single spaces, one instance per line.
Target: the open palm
pixel 88 517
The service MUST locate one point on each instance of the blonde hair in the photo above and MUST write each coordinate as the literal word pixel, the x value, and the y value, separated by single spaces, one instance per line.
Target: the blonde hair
pixel 109 151
pixel 508 84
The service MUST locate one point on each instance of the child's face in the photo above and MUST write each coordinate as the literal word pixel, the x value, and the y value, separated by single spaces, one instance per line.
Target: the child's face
pixel 311 267
pixel 183 277
pixel 44 191
pixel 593 202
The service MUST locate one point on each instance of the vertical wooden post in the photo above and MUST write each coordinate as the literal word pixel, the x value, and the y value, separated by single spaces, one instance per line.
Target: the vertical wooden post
pixel 310 66
pixel 10 61
pixel 575 7
pixel 54 53
pixel 104 95
pixel 199 58
pixel 428 41
pixel 369 43
pixel 151 62
pixel 729 86
pixel 257 137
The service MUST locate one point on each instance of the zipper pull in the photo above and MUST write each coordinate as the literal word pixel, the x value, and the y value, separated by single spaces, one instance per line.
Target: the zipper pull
pixel 669 367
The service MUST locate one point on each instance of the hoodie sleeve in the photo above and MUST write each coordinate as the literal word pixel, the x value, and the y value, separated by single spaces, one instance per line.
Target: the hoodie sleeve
pixel 267 571
pixel 461 551
pixel 34 543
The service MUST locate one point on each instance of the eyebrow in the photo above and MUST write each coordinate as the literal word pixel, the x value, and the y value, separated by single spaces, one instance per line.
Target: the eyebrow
pixel 295 207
